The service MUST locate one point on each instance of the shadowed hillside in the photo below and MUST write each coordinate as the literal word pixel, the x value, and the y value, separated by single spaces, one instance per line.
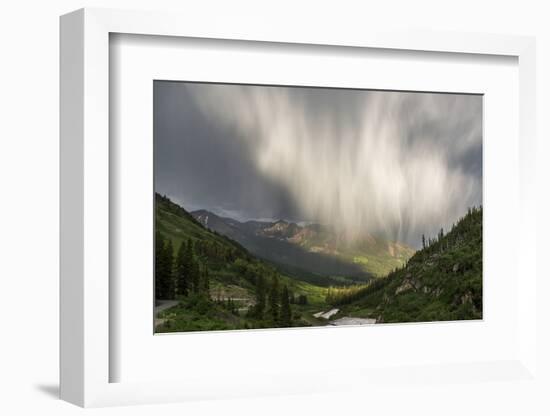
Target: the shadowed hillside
pixel 313 249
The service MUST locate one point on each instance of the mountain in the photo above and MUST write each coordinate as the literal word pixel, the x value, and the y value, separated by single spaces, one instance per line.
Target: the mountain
pixel 226 259
pixel 441 282
pixel 311 249
pixel 220 285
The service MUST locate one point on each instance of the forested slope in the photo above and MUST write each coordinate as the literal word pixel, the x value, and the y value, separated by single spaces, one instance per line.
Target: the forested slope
pixel 219 284
pixel 442 281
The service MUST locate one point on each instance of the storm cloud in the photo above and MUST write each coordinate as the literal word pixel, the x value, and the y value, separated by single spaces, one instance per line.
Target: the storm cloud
pixel 397 164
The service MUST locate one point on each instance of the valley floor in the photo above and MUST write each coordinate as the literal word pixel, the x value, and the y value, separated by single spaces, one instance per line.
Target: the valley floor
pixel 310 315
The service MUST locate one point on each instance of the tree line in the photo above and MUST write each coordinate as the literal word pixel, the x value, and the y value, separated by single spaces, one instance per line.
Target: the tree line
pixel 180 273
pixel 338 296
pixel 444 241
pixel 272 302
pixel 183 273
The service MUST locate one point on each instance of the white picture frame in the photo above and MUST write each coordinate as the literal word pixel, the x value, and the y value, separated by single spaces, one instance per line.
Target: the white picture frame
pixel 85 351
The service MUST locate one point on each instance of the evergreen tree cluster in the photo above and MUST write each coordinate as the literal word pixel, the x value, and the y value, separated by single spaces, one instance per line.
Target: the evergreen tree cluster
pixel 218 283
pixel 180 275
pixel 273 303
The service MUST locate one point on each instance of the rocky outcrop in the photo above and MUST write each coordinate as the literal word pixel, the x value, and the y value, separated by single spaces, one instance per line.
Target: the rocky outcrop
pixel 410 283
pixel 467 298
pixel 405 286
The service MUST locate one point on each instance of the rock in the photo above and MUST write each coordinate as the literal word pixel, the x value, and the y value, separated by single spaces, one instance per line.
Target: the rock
pixel 466 298
pixel 417 285
pixel 406 285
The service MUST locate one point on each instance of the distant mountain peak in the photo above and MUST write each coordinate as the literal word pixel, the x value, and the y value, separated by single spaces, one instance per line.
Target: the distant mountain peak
pixel 286 242
pixel 206 212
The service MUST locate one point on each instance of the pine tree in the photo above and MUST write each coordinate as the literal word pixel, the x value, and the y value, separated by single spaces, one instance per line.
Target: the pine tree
pixel 286 313
pixel 182 271
pixel 274 299
pixel 164 277
pixel 159 269
pixel 189 264
pixel 196 275
pixel 423 241
pixel 168 271
pixel 205 282
pixel 302 300
pixel 193 268
pixel 291 297
pixel 260 297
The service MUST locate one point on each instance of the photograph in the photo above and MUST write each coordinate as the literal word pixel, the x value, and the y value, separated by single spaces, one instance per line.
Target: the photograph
pixel 302 206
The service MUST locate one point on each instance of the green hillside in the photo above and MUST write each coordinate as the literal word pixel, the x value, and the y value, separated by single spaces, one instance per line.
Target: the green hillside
pixel 370 254
pixel 442 281
pixel 218 283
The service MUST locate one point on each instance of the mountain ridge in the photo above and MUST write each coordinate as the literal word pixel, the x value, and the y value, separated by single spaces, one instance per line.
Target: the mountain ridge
pixel 319 247
pixel 179 226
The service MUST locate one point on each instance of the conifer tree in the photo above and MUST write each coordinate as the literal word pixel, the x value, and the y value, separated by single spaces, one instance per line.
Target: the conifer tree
pixel 182 271
pixel 189 263
pixel 164 277
pixel 274 299
pixel 286 314
pixel 260 297
pixel 291 297
pixel 205 282
pixel 302 300
pixel 193 270
pixel 159 269
pixel 168 270
pixel 195 275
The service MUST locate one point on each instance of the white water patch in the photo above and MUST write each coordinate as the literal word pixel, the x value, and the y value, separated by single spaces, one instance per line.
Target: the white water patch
pixel 326 315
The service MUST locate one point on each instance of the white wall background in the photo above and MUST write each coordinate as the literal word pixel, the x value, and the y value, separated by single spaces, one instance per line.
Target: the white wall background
pixel 29 208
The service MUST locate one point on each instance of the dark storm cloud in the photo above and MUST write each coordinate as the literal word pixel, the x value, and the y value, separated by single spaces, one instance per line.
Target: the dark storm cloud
pixel 401 164
pixel 202 165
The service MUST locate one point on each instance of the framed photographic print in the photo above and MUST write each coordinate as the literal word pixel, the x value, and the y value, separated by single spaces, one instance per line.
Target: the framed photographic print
pixel 279 207
pixel 324 209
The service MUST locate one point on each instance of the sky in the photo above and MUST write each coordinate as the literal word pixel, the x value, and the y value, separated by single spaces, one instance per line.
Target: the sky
pixel 393 164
